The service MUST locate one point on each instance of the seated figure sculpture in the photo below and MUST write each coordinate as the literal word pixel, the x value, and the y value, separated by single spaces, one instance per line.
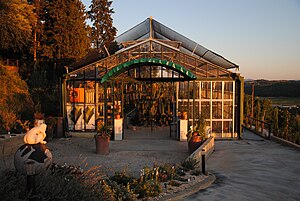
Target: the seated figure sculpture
pixel 36 135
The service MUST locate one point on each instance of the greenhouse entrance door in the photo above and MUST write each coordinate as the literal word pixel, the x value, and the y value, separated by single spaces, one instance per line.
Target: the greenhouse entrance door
pixel 144 93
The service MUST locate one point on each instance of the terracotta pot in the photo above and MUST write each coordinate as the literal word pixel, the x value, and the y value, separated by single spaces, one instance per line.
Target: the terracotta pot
pixel 194 143
pixel 102 145
pixel 184 115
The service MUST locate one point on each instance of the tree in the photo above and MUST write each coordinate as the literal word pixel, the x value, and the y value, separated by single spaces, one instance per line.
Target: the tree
pixel 257 113
pixel 103 31
pixel 64 30
pixel 17 19
pixel 14 98
pixel 275 122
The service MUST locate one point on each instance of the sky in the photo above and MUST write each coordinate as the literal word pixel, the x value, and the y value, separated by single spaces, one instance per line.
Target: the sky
pixel 261 36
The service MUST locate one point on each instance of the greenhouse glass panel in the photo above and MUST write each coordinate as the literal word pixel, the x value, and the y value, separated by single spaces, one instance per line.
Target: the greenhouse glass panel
pixel 217 90
pixel 217 110
pixel 228 90
pixel 206 90
pixel 227 110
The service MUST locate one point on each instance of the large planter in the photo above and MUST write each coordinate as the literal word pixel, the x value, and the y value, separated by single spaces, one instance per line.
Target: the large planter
pixel 194 143
pixel 102 145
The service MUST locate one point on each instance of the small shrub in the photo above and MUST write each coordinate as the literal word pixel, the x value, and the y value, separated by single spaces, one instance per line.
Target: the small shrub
pixel 12 185
pixel 166 172
pixel 106 192
pixel 196 172
pixel 121 192
pixel 147 188
pixel 122 178
pixel 189 164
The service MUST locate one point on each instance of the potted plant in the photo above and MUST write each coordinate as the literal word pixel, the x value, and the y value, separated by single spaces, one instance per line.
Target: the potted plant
pixel 102 138
pixel 117 112
pixel 38 118
pixel 51 125
pixel 196 134
pixel 184 115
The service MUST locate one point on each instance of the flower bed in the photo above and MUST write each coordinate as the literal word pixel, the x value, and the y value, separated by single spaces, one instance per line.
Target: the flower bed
pixel 153 184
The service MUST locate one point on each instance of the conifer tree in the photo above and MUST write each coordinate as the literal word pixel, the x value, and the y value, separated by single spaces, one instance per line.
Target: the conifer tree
pixel 275 122
pixel 103 31
pixel 64 30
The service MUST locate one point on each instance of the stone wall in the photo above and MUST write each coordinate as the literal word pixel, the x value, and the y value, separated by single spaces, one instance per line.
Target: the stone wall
pixel 9 144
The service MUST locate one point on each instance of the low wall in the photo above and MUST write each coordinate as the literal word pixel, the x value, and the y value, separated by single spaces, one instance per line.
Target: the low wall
pixel 206 148
pixel 285 142
pixel 9 144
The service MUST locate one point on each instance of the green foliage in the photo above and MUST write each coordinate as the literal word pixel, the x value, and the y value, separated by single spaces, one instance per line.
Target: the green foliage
pixel 64 31
pixel 198 127
pixel 122 178
pixel 17 19
pixel 285 121
pixel 152 101
pixel 11 185
pixel 14 98
pixel 247 105
pixel 189 164
pixel 166 172
pixel 147 188
pixel 58 184
pixel 121 192
pixel 103 31
pixel 275 122
pixel 103 130
pixel 67 182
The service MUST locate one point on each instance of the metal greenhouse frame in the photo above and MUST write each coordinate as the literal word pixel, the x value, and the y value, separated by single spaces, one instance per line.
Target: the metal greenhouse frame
pixel 153 57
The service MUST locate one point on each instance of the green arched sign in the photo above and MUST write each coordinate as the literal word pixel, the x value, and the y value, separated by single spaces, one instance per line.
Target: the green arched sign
pixel 144 61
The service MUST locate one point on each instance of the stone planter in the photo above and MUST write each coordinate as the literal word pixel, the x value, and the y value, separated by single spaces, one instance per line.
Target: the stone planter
pixel 102 145
pixel 194 143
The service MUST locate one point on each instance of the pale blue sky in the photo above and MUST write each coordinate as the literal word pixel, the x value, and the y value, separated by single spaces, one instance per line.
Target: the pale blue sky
pixel 261 36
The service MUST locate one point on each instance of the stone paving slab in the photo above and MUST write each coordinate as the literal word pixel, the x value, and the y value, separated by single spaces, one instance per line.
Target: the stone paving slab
pixel 252 169
pixel 141 148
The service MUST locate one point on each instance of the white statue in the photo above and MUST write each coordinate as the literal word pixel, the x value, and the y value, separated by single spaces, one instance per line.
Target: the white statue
pixel 36 135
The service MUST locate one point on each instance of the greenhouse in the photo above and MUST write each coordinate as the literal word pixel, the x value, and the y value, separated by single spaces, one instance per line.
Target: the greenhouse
pixel 155 76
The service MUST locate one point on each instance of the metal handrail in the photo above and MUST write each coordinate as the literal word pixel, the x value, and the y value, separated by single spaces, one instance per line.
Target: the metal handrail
pixel 254 121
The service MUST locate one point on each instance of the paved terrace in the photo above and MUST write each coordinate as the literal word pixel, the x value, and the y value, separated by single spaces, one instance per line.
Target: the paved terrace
pixel 249 169
pixel 140 148
pixel 252 169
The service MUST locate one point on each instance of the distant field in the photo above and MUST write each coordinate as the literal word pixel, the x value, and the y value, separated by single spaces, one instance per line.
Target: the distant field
pixel 285 101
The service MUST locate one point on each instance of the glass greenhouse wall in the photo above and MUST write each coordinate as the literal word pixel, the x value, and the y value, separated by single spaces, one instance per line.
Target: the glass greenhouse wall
pixel 214 99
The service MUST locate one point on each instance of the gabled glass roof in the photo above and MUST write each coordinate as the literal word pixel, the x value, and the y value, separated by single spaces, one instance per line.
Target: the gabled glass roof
pixel 151 28
pixel 153 41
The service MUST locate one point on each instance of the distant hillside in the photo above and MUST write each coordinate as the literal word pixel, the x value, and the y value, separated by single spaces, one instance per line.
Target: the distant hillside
pixel 278 88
